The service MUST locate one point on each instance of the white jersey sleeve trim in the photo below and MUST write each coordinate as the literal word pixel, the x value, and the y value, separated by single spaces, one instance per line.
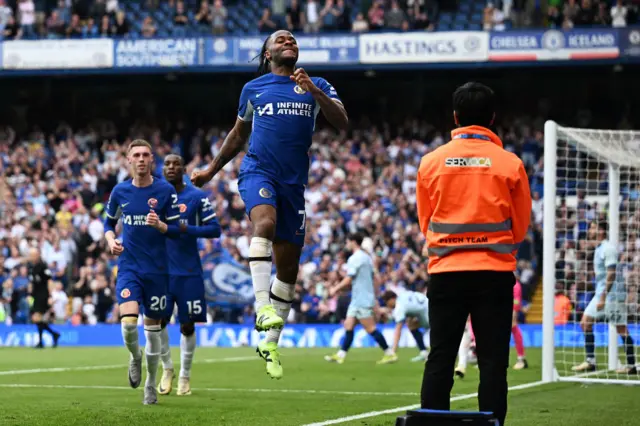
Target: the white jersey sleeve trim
pixel 208 218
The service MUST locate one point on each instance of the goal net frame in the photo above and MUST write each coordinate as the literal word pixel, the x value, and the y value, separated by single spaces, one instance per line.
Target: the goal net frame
pixel 550 203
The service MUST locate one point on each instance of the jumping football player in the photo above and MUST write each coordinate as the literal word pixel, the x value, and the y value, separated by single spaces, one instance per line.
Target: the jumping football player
pixel 146 206
pixel 363 299
pixel 279 110
pixel 412 308
pixel 186 282
pixel 608 303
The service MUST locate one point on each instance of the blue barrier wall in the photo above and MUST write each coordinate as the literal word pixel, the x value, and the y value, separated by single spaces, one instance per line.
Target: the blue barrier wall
pixel 304 336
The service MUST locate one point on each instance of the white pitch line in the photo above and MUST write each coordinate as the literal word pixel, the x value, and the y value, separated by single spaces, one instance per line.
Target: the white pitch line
pixel 114 366
pixel 307 391
pixel 411 407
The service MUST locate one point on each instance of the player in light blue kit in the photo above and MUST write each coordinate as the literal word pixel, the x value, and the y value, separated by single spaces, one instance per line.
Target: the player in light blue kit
pixel 279 110
pixel 186 280
pixel 608 303
pixel 363 299
pixel 412 308
pixel 147 207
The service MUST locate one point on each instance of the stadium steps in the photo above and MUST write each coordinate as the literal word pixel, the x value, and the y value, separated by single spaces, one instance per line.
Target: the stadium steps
pixel 534 316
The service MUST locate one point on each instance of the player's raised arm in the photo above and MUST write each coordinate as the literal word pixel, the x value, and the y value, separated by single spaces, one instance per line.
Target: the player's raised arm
pixel 235 141
pixel 326 97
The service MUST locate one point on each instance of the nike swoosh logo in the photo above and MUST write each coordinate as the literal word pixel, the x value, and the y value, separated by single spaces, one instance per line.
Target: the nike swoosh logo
pixel 259 94
pixel 124 205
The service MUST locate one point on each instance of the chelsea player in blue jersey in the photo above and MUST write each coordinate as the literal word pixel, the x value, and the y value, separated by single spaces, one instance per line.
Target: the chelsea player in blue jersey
pixel 186 281
pixel 278 109
pixel 146 206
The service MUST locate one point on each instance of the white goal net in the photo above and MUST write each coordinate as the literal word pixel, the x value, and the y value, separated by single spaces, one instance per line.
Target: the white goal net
pixel 591 257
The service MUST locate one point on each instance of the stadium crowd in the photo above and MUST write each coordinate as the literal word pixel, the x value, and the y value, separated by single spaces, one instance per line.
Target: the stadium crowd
pixel 55 185
pixel 59 19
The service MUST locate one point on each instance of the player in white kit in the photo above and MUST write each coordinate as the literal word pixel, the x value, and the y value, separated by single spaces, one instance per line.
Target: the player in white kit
pixel 412 308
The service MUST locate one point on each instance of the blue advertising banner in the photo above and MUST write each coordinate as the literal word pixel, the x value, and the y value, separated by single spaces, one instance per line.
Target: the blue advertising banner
pixel 164 52
pixel 630 43
pixel 219 51
pixel 329 49
pixel 554 45
pixel 227 283
pixel 293 335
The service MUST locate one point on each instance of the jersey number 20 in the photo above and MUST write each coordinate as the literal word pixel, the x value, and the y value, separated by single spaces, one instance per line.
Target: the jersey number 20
pixel 158 303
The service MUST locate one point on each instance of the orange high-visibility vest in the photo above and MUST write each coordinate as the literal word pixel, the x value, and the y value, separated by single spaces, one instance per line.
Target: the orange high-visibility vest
pixel 474 203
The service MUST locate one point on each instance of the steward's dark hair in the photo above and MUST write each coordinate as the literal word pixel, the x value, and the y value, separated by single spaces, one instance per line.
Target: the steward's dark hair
pixel 264 66
pixel 474 104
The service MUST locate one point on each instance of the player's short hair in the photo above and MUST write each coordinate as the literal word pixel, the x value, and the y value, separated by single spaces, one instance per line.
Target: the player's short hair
pixel 179 157
pixel 474 104
pixel 388 295
pixel 138 142
pixel 357 237
pixel 603 225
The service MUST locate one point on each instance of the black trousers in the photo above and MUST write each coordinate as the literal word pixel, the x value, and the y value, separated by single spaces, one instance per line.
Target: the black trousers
pixel 488 297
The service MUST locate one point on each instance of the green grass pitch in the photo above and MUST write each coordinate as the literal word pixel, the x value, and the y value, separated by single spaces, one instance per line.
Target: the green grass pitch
pixel 88 386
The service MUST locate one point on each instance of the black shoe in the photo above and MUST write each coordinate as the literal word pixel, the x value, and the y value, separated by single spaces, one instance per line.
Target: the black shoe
pixel 56 337
pixel 39 346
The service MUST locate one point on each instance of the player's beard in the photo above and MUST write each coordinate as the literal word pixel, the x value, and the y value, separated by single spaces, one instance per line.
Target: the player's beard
pixel 285 61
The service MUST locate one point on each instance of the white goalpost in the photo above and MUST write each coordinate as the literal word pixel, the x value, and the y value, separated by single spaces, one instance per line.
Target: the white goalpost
pixel 591 178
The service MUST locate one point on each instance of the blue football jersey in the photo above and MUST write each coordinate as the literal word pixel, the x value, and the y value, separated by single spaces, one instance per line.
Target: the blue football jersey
pixel 195 210
pixel 283 119
pixel 144 247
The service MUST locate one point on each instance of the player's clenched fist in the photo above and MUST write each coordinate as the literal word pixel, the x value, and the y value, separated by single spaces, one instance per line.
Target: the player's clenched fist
pixel 199 178
pixel 303 80
pixel 115 247
pixel 152 219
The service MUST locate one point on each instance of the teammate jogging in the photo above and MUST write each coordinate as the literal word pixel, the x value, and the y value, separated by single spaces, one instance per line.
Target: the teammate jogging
pixel 279 110
pixel 186 282
pixel 146 206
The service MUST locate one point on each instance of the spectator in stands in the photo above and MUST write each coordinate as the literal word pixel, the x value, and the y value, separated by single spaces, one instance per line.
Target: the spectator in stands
pixel 148 27
pixel 619 15
pixel 5 14
pixel 294 17
pixel 602 18
pixel 121 27
pixel 180 20
pixel 27 11
pixel 493 18
pixel 11 30
pixel 266 24
pixel 586 14
pixel 344 18
pixel 63 11
pixel 570 10
pixel 219 18
pixel 278 11
pixel 554 18
pixel 360 25
pixel 329 16
pixel 112 7
pixel 395 17
pixel 312 17
pixel 98 9
pixel 419 18
pixel 203 17
pixel 55 26
pixel 74 30
pixel 90 30
pixel 376 16
pixel 105 27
